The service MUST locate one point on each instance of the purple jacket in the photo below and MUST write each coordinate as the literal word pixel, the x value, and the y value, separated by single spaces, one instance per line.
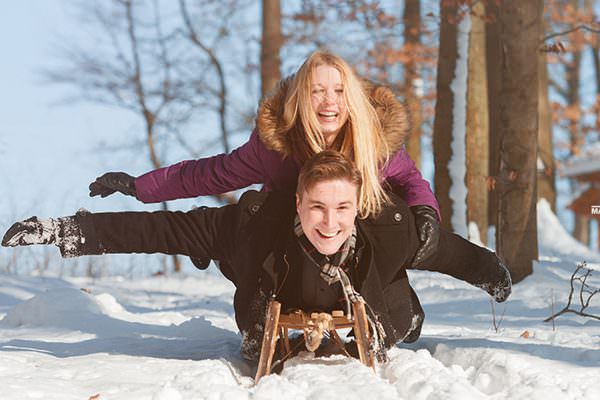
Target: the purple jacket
pixel 262 160
pixel 253 163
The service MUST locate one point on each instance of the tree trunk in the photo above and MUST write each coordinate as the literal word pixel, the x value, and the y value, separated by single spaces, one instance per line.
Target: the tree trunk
pixel 442 127
pixel 581 230
pixel 516 236
pixel 412 40
pixel 494 79
pixel 546 175
pixel 477 143
pixel 271 43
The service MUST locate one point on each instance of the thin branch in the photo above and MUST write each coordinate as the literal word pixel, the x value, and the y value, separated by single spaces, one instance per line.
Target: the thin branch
pixel 192 35
pixel 577 28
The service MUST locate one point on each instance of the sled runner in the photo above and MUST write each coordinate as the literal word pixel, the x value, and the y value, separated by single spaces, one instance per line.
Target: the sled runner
pixel 314 325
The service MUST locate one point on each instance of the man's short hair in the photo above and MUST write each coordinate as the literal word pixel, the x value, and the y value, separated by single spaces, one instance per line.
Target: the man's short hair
pixel 326 166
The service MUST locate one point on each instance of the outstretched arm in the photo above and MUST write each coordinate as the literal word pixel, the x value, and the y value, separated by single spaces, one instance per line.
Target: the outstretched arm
pixel 219 174
pixel 201 233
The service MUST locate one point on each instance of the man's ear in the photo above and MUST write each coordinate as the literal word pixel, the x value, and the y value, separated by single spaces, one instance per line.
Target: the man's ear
pixel 297 202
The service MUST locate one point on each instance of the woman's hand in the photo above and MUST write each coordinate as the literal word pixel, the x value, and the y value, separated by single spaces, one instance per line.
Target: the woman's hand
pixel 111 182
pixel 428 229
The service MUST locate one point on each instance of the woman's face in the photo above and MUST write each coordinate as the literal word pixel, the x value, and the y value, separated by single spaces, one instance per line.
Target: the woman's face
pixel 327 100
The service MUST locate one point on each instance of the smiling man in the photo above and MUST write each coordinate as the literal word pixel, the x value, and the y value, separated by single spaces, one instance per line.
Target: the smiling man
pixel 314 254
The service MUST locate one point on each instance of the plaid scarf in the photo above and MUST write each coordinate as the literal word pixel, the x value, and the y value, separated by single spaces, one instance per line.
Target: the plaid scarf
pixel 332 270
pixel 331 266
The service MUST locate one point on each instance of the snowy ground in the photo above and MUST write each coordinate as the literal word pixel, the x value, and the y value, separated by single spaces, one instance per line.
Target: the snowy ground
pixel 168 338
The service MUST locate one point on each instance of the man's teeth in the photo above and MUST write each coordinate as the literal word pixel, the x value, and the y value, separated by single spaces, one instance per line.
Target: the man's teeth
pixel 329 235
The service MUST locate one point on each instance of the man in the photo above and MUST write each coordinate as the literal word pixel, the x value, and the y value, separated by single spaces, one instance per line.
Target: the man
pixel 314 254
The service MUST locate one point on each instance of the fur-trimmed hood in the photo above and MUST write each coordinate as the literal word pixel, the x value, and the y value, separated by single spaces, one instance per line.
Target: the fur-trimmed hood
pixel 392 114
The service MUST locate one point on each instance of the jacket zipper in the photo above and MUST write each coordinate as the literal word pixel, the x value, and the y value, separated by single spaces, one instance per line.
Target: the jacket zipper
pixel 287 264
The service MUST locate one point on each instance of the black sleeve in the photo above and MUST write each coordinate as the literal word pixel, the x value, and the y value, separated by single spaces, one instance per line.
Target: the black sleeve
pixel 201 233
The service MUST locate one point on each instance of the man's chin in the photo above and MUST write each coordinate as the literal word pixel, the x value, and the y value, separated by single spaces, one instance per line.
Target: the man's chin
pixel 328 249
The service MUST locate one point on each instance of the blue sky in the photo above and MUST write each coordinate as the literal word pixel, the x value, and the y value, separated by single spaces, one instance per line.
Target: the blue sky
pixel 49 149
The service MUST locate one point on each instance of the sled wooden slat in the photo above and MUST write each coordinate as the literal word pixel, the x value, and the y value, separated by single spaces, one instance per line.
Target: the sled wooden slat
pixel 362 334
pixel 277 326
pixel 269 339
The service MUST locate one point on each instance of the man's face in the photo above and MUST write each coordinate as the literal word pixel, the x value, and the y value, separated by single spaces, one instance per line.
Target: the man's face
pixel 327 212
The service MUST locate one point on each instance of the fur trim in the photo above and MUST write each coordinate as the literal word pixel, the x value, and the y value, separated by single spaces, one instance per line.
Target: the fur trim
pixel 392 114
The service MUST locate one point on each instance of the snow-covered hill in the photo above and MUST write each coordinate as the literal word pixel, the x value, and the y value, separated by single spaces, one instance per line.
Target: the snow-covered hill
pixel 168 338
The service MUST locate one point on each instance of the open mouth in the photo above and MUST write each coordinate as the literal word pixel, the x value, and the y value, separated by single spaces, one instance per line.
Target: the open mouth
pixel 328 115
pixel 328 235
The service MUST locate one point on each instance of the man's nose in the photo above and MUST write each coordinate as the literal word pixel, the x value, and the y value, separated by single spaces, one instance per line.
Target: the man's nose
pixel 329 218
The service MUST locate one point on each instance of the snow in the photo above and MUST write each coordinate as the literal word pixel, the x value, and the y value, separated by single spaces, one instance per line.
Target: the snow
pixel 174 338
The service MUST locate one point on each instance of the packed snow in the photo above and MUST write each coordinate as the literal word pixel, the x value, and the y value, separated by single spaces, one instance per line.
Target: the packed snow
pixel 174 337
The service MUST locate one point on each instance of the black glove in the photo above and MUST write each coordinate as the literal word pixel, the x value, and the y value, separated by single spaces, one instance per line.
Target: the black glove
pixel 428 229
pixel 112 182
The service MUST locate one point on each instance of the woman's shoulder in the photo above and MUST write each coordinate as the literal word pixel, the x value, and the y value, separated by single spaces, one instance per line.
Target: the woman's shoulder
pixel 392 114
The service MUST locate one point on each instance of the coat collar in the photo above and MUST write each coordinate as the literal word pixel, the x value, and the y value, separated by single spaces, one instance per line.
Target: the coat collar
pixel 391 112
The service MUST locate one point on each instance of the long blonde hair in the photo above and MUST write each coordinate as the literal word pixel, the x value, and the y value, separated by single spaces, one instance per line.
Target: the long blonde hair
pixel 363 141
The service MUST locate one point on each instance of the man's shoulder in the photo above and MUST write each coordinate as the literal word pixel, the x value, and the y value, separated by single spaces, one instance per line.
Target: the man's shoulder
pixel 270 203
pixel 395 213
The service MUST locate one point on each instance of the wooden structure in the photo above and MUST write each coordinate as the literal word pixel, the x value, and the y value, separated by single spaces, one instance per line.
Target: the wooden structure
pixel 586 170
pixel 277 327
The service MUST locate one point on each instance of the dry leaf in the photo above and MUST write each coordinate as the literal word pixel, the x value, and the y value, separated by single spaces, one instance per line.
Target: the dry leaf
pixel 525 334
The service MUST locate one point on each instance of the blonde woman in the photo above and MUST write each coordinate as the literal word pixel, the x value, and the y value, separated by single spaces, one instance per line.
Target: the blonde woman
pixel 324 105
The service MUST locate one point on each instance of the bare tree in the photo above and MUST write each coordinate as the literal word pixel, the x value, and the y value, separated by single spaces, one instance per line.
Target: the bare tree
pixel 144 62
pixel 477 124
pixel 271 43
pixel 516 234
pixel 412 77
pixel 444 106
pixel 546 176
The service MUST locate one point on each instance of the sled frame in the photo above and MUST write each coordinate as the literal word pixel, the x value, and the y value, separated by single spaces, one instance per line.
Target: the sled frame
pixel 277 326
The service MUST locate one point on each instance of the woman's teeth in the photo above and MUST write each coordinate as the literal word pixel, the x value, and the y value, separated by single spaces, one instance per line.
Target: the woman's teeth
pixel 328 114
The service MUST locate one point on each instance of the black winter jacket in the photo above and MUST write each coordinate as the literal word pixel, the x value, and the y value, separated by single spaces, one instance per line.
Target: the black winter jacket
pixel 249 241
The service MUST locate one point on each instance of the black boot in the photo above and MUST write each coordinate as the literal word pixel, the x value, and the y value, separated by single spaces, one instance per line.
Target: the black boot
pixel 63 232
pixel 31 231
pixel 500 285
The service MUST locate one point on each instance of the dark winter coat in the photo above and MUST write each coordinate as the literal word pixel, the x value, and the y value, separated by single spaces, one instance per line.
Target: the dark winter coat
pixel 266 159
pixel 250 239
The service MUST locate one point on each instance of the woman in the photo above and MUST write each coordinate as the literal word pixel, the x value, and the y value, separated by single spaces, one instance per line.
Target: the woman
pixel 324 105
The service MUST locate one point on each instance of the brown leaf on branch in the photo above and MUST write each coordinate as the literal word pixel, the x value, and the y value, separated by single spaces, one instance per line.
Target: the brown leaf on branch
pixel 557 47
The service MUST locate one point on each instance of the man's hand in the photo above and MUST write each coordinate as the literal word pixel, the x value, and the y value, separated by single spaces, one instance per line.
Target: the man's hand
pixel 112 182
pixel 428 229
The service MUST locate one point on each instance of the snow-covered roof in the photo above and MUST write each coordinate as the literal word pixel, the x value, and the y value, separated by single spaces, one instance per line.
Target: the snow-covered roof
pixel 585 163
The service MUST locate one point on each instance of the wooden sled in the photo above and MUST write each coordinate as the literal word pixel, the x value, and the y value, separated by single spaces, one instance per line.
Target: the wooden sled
pixel 277 326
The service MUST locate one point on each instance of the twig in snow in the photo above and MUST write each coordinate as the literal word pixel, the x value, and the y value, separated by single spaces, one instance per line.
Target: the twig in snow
pixel 586 292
